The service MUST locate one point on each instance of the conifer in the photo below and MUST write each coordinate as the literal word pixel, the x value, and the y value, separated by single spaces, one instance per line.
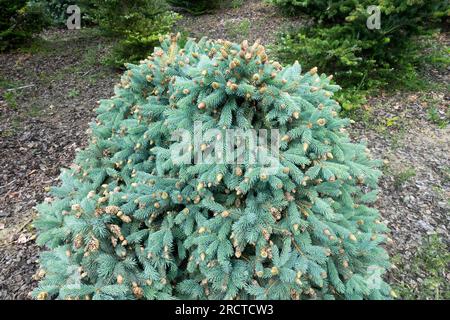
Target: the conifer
pixel 127 222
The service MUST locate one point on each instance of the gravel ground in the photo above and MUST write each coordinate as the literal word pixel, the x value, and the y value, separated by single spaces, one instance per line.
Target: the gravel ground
pixel 253 20
pixel 42 125
pixel 415 188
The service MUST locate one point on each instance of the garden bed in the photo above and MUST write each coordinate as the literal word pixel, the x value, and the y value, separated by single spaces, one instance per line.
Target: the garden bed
pixel 48 93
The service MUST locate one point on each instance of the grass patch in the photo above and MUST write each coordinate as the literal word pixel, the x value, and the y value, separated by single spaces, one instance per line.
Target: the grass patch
pixel 73 93
pixel 37 46
pixel 6 84
pixel 90 57
pixel 363 115
pixel 87 61
pixel 34 111
pixel 238 30
pixel 436 54
pixel 398 136
pixel 431 263
pixel 402 177
pixel 441 120
pixel 13 129
pixel 440 192
pixel 236 4
pixel 10 98
pixel 392 128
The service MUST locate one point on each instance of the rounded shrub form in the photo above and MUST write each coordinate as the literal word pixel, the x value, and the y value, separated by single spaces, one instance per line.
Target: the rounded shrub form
pixel 130 222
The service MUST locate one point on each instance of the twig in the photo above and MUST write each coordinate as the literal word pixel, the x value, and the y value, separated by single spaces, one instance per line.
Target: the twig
pixel 19 88
pixel 86 73
pixel 11 182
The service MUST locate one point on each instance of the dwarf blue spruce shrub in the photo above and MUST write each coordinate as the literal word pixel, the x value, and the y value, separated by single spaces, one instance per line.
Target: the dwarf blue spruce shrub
pixel 129 222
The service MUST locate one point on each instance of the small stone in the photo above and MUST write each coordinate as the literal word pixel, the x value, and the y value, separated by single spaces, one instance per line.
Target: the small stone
pixel 4 214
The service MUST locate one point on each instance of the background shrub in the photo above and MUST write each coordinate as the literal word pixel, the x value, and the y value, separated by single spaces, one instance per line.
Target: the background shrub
pixel 19 20
pixel 361 58
pixel 56 10
pixel 339 10
pixel 137 224
pixel 136 24
pixel 317 8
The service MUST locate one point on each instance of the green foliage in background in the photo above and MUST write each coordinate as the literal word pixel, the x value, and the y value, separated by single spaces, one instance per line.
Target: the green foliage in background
pixel 19 21
pixel 340 10
pixel 317 8
pixel 56 10
pixel 361 58
pixel 196 7
pixel 136 24
pixel 128 222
